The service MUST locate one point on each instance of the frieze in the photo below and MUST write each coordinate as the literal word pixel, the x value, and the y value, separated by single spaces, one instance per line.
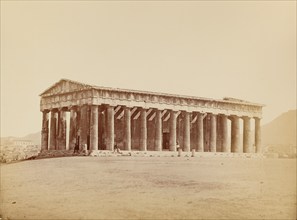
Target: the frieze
pixel 64 95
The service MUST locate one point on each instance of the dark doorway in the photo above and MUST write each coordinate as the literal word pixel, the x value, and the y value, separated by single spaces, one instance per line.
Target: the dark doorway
pixel 165 143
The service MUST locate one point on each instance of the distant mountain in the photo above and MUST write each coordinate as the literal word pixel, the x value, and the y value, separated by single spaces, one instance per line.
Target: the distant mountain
pixel 34 137
pixel 281 131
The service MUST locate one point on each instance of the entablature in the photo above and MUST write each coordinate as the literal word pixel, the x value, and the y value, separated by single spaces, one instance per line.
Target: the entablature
pixel 95 96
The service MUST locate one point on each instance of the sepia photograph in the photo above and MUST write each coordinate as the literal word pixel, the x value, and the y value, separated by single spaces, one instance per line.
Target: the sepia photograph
pixel 147 109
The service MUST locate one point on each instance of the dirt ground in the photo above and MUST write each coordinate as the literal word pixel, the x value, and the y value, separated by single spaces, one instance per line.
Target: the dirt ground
pixel 149 188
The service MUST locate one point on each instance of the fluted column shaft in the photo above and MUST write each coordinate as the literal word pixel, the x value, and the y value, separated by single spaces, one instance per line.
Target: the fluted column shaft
pixel 101 128
pixel 158 137
pixel 247 135
pixel 172 131
pixel 258 135
pixel 78 126
pixel 224 128
pixel 44 131
pixel 219 133
pixel 143 130
pixel 94 128
pixel 187 142
pixel 127 138
pixel 53 130
pixel 73 128
pixel 213 133
pixel 62 130
pixel 84 126
pixel 110 128
pixel 235 134
pixel 200 135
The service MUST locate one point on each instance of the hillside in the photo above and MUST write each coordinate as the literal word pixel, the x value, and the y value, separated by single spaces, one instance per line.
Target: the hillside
pixel 281 131
pixel 34 137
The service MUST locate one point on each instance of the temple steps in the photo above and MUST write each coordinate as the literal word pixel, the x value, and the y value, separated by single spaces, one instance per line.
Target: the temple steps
pixel 107 153
pixel 59 153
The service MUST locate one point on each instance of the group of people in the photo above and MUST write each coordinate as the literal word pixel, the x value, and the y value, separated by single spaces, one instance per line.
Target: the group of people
pixel 76 148
pixel 117 149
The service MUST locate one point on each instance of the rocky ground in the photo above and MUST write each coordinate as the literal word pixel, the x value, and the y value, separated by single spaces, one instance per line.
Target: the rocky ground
pixel 149 188
pixel 10 153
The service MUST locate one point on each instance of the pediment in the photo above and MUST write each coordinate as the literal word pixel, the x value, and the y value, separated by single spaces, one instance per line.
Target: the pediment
pixel 65 86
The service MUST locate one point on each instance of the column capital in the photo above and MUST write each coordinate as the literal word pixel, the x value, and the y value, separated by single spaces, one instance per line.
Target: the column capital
pixel 173 110
pixel 45 111
pixel 184 112
pixel 54 110
pixel 258 118
pixel 202 114
pixel 246 117
pixel 223 115
pixel 231 117
pixel 62 109
pixel 72 107
pixel 111 105
pixel 94 106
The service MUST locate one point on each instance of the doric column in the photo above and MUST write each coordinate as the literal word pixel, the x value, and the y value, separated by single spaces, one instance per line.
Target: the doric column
pixel 235 134
pixel 78 125
pixel 143 130
pixel 158 137
pixel 44 131
pixel 213 133
pixel 62 130
pixel 187 142
pixel 258 135
pixel 94 128
pixel 100 127
pixel 53 129
pixel 200 135
pixel 206 124
pixel 224 129
pixel 127 138
pixel 73 128
pixel 110 128
pixel 219 134
pixel 88 126
pixel 172 131
pixel 84 126
pixel 247 135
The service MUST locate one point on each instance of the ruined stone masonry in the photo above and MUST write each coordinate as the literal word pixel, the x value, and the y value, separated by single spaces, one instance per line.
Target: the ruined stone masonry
pixel 101 117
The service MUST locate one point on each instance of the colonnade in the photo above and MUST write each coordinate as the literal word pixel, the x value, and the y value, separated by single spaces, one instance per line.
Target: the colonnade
pixel 85 129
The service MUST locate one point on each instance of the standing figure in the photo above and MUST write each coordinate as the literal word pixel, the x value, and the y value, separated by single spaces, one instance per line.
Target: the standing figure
pixel 76 148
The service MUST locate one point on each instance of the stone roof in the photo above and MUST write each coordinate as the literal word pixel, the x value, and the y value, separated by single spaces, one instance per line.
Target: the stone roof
pixel 84 86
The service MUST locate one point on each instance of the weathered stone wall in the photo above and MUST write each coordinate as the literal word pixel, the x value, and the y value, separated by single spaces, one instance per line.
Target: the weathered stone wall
pixel 15 153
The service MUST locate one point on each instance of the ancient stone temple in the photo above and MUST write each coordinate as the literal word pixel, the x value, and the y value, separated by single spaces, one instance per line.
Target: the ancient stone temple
pixel 100 117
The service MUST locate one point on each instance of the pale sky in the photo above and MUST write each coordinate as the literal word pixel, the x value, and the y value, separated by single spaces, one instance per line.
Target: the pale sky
pixel 240 49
